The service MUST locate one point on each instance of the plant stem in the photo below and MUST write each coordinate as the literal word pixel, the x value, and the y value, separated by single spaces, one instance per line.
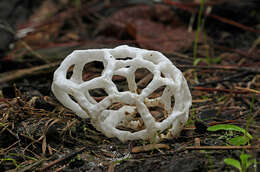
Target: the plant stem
pixel 198 30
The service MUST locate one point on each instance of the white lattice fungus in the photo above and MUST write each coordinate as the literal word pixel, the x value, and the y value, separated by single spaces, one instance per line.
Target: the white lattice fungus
pixel 139 94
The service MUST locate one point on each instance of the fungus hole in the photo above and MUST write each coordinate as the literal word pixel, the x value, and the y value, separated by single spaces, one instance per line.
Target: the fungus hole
pixel 92 70
pixel 158 113
pixel 124 58
pixel 172 102
pixel 157 93
pixel 70 71
pixel 142 78
pixel 162 75
pixel 115 106
pixel 160 103
pixel 155 107
pixel 98 94
pixel 72 98
pixel 121 83
pixel 133 123
pixel 166 100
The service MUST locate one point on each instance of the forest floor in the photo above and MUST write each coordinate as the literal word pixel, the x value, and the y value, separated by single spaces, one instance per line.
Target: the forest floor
pixel 37 133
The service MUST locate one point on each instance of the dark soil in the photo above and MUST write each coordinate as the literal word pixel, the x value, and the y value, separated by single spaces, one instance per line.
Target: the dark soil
pixel 38 134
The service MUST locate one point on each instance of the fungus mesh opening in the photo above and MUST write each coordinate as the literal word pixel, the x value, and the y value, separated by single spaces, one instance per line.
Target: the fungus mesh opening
pixel 70 71
pixel 135 124
pixel 121 83
pixel 73 98
pixel 126 58
pixel 157 93
pixel 98 94
pixel 142 78
pixel 92 70
pixel 115 106
pixel 156 107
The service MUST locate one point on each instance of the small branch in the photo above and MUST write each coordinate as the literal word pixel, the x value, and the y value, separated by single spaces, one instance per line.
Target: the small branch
pixel 143 82
pixel 67 157
pixel 190 9
pixel 225 90
pixel 35 53
pixel 219 67
pixel 237 75
pixel 13 75
pixel 26 46
pixel 248 89
pixel 220 147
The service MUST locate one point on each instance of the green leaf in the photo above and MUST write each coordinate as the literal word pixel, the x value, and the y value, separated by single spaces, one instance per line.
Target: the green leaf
pixel 196 61
pixel 233 162
pixel 229 127
pixel 239 140
pixel 226 127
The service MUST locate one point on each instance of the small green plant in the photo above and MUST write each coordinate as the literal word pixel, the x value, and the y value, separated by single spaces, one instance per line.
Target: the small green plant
pixel 198 30
pixel 4 125
pixel 192 118
pixel 244 163
pixel 238 140
pixel 221 98
pixel 204 97
pixel 195 48
pixel 207 60
pixel 200 25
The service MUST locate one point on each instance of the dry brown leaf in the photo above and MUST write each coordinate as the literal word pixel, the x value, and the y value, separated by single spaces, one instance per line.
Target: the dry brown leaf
pixel 153 27
pixel 156 36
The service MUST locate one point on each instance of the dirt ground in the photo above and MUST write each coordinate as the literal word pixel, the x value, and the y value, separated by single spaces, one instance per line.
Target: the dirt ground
pixel 220 62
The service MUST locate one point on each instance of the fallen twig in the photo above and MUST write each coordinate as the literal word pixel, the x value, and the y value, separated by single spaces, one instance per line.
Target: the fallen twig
pixel 185 7
pixel 226 90
pixel 10 76
pixel 220 67
pixel 26 46
pixel 248 89
pixel 224 79
pixel 32 166
pixel 143 82
pixel 237 51
pixel 66 157
pixel 220 147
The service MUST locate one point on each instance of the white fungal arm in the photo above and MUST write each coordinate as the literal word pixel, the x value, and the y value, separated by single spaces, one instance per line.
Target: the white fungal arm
pixel 160 109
